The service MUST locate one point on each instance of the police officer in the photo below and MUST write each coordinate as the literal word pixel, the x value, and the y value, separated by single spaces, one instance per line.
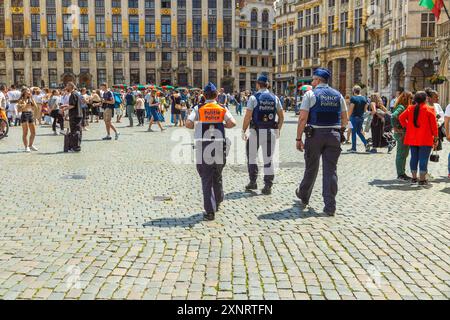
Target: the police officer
pixel 210 145
pixel 323 119
pixel 263 108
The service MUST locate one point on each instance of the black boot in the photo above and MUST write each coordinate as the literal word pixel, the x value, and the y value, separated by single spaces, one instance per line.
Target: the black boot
pixel 251 186
pixel 266 190
pixel 209 216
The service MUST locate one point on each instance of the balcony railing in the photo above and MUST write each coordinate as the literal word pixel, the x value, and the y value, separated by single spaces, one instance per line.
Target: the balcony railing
pixel 427 43
pixel 36 44
pixel 117 44
pixel 134 44
pixel 444 30
pixel 18 43
pixel 84 44
pixel 67 44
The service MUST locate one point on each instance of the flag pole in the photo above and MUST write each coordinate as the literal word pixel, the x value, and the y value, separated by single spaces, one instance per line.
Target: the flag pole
pixel 446 11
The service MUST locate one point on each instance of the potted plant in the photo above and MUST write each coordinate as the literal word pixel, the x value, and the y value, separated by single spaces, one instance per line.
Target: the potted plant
pixel 437 79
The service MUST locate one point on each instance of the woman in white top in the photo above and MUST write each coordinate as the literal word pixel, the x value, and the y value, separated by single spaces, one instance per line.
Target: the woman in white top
pixel 140 109
pixel 54 103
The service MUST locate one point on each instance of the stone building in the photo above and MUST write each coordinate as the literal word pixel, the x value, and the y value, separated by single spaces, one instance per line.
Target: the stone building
pixel 255 42
pixel 402 46
pixel 179 42
pixel 443 50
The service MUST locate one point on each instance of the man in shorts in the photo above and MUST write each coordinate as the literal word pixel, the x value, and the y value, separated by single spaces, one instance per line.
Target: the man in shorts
pixel 108 106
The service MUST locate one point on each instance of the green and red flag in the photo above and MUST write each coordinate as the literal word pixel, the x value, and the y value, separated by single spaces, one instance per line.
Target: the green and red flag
pixel 434 5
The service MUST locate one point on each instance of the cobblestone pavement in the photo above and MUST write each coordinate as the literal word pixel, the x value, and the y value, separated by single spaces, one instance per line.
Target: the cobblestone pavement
pixel 121 220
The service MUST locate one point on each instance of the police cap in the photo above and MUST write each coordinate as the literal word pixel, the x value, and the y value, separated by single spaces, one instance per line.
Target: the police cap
pixel 323 73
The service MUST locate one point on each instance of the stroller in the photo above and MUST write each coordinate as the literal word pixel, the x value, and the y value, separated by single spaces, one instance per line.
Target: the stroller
pixel 388 135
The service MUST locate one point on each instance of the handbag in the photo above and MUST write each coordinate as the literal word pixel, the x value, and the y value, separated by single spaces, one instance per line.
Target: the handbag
pixel 434 157
pixel 178 106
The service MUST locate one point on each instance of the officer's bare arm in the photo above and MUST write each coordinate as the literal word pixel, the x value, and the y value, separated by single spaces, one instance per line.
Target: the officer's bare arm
pixel 344 119
pixel 447 127
pixel 189 124
pixel 280 114
pixel 302 119
pixel 230 123
pixel 247 119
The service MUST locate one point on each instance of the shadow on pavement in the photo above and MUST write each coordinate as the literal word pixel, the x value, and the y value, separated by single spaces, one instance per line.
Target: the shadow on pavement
pixel 393 185
pixel 446 190
pixel 91 140
pixel 11 152
pixel 175 222
pixel 294 213
pixel 239 195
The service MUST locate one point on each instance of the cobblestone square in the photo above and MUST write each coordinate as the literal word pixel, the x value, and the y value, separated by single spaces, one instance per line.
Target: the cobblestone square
pixel 121 220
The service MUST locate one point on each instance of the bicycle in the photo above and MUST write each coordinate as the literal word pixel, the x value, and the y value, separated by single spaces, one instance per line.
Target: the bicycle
pixel 4 128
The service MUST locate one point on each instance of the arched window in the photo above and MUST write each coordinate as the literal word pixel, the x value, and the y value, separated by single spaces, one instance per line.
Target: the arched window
pixel 265 16
pixel 254 15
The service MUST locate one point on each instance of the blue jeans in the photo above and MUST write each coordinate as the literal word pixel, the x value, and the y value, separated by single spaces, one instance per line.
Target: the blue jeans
pixel 420 157
pixel 357 123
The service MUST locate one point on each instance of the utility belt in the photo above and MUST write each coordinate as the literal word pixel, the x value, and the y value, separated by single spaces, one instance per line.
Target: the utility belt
pixel 13 101
pixel 254 126
pixel 309 131
pixel 202 143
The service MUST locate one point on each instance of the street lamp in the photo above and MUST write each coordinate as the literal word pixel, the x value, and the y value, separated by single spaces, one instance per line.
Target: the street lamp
pixel 436 64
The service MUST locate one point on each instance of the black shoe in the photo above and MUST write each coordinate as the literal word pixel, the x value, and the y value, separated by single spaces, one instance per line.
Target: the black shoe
pixel 266 190
pixel 107 138
pixel 330 213
pixel 209 216
pixel 404 177
pixel 414 181
pixel 303 202
pixel 251 186
pixel 424 183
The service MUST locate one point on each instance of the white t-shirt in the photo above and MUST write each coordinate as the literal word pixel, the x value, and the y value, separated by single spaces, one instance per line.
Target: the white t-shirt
pixel 447 112
pixel 2 101
pixel 440 112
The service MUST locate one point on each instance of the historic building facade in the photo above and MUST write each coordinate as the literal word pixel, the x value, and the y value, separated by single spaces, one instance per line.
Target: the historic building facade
pixel 443 51
pixel 179 42
pixel 402 46
pixel 255 42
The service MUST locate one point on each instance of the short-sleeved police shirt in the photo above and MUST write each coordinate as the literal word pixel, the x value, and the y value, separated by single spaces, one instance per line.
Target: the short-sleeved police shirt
pixel 194 116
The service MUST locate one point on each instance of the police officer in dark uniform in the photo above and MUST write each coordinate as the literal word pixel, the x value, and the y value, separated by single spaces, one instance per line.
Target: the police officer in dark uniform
pixel 261 115
pixel 210 143
pixel 323 119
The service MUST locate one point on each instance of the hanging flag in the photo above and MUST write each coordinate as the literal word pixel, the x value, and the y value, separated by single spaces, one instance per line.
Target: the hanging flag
pixel 434 5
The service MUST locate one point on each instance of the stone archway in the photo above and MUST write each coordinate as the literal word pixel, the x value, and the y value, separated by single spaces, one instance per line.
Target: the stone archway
pixel 398 77
pixel 419 74
pixel 85 80
pixel 68 77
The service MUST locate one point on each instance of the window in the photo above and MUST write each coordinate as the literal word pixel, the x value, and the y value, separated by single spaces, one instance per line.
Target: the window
pixel 253 77
pixel 291 53
pixel 83 3
pixel 181 31
pixel 50 4
pixel 117 27
pixel 428 25
pixel 343 28
pixel 182 56
pixel 212 76
pixel 254 16
pixel 300 20
pixel 307 47
pixel 52 56
pixel 265 16
pixel 67 27
pixel 17 25
pixel 37 76
pixel 67 56
pixel 84 27
pixel 118 76
pixel 167 56
pixel 100 3
pixel 36 56
pixel 101 56
pixel 34 3
pixel 386 37
pixel 265 40
pixel 254 61
pixel 66 3
pixel 53 77
pixel 100 27
pixel 134 28
pixel 316 15
pixel 227 4
pixel 242 61
pixel 84 56
pixel 35 27
pixel 116 4
pixel 212 4
pixel 330 31
pixel 227 56
pixel 149 30
pixel 198 77
pixel 242 81
pixel 197 28
pixel 18 56
pixel 315 46
pixel 254 39
pixel 150 56
pixel 134 56
pixel 264 62
pixel 165 3
pixel 212 56
pixel 198 56
pixel 101 75
pixel 2 27
pixel 166 29
pixel 358 23
pixel 117 56
pixel 227 30
pixel 149 4
pixel 300 49
pixel 212 29
pixel 331 3
pixel 133 4
pixel 242 38
pixel 150 76
pixel 181 4
pixel 51 27
pixel 307 18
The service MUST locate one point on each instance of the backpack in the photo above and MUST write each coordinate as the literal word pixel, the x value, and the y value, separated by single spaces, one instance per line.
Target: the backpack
pixel 117 100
